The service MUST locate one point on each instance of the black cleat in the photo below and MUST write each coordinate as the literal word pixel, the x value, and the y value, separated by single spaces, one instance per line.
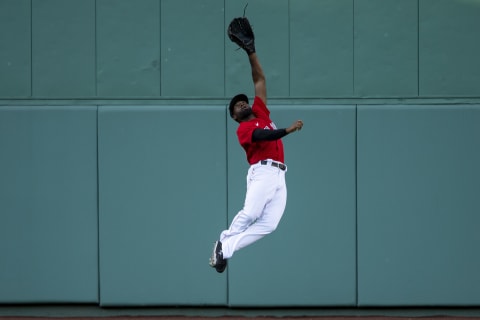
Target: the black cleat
pixel 216 260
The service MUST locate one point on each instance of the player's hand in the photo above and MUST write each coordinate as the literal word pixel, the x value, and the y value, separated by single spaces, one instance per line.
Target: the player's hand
pixel 296 126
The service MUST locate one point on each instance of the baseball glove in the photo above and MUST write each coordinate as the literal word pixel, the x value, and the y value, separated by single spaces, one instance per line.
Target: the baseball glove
pixel 240 31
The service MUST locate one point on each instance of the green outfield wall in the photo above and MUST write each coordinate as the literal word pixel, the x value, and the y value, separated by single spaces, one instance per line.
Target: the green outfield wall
pixel 119 163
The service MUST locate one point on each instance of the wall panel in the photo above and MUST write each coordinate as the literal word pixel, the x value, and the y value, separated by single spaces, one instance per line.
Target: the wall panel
pixel 48 205
pixel 321 48
pixel 162 198
pixel 386 48
pixel 192 48
pixel 128 48
pixel 63 48
pixel 418 205
pixel 449 48
pixel 15 48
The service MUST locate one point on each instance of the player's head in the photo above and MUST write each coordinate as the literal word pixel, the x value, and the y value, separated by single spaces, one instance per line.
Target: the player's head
pixel 239 108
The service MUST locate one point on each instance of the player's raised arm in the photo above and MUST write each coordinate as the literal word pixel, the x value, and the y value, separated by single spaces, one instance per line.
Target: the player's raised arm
pixel 240 32
pixel 258 77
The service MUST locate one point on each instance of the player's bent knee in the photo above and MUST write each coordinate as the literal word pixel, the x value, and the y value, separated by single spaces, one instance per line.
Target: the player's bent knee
pixel 271 228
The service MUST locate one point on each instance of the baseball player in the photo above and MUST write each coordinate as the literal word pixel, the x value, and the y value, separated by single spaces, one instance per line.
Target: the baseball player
pixel 266 189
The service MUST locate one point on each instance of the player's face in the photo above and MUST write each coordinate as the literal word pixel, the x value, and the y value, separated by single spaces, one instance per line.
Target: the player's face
pixel 241 111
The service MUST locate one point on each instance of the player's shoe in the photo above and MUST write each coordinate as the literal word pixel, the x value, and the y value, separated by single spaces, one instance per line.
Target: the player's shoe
pixel 216 260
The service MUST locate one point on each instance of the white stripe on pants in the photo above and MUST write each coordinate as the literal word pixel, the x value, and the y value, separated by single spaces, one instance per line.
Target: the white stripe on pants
pixel 263 208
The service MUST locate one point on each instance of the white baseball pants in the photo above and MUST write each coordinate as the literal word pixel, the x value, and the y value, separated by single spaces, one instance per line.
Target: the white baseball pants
pixel 263 208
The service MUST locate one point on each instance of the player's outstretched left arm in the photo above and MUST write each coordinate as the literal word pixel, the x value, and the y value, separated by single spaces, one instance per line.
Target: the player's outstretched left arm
pixel 270 135
pixel 296 126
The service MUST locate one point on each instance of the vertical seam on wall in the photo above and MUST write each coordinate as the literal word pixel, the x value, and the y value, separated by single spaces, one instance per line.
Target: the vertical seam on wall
pixel 160 47
pixel 226 200
pixel 224 53
pixel 98 171
pixel 31 48
pixel 225 108
pixel 356 205
pixel 226 137
pixel 98 212
pixel 356 153
pixel 96 51
pixel 418 48
pixel 289 49
pixel 353 48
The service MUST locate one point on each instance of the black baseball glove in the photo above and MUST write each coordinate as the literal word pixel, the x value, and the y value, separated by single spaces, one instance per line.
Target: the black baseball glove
pixel 240 31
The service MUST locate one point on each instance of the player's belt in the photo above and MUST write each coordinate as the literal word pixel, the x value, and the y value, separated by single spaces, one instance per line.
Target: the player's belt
pixel 278 165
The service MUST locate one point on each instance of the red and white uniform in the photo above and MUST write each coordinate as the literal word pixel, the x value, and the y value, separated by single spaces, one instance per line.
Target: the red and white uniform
pixel 266 189
pixel 260 150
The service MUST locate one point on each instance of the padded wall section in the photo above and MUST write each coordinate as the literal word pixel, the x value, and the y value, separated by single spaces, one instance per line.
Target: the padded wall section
pixel 418 205
pixel 162 180
pixel 310 260
pixel 449 48
pixel 192 35
pixel 308 48
pixel 321 48
pixel 386 48
pixel 15 52
pixel 48 205
pixel 128 48
pixel 63 48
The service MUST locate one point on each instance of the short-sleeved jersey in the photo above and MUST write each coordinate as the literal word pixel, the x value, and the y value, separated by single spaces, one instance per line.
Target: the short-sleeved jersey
pixel 259 150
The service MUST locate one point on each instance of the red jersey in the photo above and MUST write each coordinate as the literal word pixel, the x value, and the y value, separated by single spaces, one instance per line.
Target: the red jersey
pixel 259 150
